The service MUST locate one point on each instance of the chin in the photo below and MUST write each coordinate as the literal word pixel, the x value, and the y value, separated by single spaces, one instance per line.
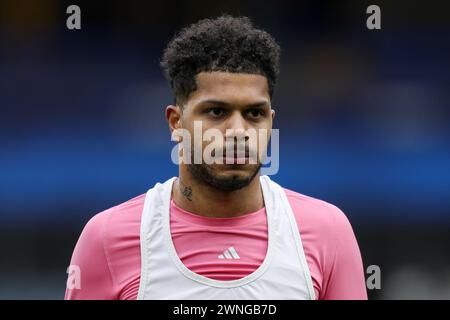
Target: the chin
pixel 236 172
pixel 225 178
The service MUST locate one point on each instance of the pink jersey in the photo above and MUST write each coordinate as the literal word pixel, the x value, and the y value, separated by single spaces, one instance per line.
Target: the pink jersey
pixel 108 250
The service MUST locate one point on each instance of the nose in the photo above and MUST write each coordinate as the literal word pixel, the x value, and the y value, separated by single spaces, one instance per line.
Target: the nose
pixel 237 127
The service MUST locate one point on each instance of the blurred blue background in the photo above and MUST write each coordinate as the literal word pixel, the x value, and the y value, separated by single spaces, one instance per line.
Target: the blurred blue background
pixel 363 117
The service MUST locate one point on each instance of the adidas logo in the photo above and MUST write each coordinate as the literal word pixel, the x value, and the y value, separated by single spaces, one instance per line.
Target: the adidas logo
pixel 229 253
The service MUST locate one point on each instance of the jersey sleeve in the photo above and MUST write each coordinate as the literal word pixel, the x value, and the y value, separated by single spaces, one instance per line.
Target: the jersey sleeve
pixel 89 274
pixel 343 277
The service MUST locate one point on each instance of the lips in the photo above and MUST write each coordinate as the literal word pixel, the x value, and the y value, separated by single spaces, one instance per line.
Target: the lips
pixel 235 159
pixel 236 156
pixel 246 154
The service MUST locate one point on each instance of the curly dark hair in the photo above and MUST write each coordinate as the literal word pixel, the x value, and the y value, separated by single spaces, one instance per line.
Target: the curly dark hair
pixel 230 44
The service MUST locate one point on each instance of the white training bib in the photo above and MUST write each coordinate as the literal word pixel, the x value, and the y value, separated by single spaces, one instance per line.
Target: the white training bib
pixel 283 275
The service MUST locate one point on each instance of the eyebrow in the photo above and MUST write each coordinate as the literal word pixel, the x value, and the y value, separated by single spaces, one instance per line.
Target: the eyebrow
pixel 259 104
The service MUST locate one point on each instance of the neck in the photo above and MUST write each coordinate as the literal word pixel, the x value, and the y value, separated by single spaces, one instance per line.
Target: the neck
pixel 194 196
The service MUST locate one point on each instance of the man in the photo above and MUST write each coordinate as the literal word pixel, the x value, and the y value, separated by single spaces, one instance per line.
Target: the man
pixel 219 230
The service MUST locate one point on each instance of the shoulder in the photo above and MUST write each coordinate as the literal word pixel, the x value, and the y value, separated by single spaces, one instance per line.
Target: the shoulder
pixel 328 240
pixel 99 253
pixel 111 231
pixel 316 214
pixel 107 251
pixel 111 224
pixel 116 231
pixel 122 215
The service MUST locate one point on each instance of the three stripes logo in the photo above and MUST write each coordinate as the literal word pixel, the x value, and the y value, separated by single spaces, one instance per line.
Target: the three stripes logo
pixel 229 253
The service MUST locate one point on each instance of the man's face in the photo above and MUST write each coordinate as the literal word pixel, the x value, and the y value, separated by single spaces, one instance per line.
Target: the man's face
pixel 235 101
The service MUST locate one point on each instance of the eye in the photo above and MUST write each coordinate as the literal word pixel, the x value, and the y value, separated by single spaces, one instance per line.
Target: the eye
pixel 255 113
pixel 216 112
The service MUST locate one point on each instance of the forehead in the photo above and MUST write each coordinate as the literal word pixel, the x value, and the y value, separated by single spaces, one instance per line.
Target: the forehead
pixel 230 86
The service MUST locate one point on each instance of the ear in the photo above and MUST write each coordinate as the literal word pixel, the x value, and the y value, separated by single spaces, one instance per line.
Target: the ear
pixel 273 113
pixel 173 116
